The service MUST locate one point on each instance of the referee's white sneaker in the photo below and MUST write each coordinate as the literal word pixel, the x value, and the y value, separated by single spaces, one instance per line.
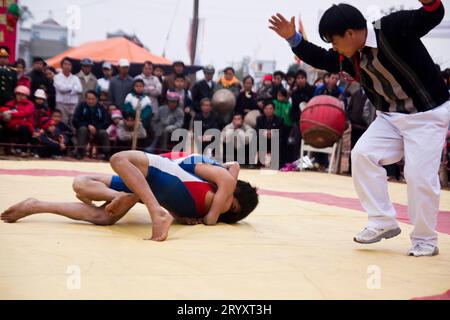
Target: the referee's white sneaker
pixel 423 250
pixel 372 235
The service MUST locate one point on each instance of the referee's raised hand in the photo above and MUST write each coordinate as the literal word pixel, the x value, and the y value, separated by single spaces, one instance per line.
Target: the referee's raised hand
pixel 284 28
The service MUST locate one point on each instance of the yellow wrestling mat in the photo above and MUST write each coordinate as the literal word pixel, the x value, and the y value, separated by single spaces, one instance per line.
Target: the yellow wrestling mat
pixel 296 245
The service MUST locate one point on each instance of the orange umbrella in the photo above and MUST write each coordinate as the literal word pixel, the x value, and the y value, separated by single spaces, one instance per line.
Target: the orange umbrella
pixel 111 50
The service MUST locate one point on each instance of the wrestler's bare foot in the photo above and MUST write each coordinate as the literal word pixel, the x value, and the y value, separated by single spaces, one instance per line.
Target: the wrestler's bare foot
pixel 161 221
pixel 84 199
pixel 122 204
pixel 19 211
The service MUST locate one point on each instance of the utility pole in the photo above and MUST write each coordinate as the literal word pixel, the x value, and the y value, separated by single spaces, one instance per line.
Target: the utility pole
pixel 194 35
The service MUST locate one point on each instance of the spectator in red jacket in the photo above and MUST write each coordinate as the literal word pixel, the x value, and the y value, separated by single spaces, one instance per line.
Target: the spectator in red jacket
pixel 19 116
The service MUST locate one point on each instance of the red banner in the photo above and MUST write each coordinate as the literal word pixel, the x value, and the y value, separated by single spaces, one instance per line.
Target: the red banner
pixel 8 34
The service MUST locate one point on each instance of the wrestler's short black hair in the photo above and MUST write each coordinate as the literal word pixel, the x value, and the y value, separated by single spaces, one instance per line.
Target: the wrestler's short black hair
pixel 248 199
pixel 338 19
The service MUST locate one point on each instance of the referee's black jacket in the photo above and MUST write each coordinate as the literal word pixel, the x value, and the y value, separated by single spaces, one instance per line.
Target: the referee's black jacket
pixel 400 51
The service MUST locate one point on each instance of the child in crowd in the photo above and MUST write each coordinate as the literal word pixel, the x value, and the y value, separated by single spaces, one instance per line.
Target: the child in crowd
pixel 138 98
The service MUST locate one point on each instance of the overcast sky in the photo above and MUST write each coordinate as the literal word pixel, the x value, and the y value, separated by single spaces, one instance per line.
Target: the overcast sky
pixel 232 28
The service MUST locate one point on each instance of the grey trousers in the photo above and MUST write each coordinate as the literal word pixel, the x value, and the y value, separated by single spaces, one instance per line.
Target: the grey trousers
pixel 101 139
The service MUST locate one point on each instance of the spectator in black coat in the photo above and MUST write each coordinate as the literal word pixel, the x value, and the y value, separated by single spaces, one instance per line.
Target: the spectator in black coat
pixel 247 100
pixel 38 77
pixel 277 83
pixel 204 88
pixel 209 120
pixel 265 126
pixel 90 121
pixel 50 73
pixel 302 93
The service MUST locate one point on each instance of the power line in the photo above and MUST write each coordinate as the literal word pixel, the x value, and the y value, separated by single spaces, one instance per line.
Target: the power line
pixel 170 28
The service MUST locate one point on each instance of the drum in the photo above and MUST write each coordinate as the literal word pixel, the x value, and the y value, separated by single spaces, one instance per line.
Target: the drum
pixel 323 122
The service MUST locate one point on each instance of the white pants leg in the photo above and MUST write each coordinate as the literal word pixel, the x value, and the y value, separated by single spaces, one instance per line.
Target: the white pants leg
pixel 381 144
pixel 424 137
pixel 420 137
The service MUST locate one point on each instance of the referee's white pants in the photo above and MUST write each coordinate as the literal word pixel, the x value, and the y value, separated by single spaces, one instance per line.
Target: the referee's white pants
pixel 420 139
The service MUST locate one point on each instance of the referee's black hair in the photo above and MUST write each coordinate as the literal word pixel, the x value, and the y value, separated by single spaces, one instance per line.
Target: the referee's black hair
pixel 338 19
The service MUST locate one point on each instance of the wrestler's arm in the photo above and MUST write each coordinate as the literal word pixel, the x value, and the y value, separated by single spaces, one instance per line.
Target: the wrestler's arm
pixel 233 168
pixel 226 184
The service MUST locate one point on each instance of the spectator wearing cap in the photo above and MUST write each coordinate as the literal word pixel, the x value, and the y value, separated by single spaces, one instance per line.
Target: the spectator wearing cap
pixel 170 117
pixel 152 86
pixel 22 79
pixel 169 81
pixel 8 77
pixel 37 75
pixel 87 79
pixel 136 98
pixel 264 93
pixel 19 117
pixel 103 83
pixel 52 141
pixel 204 88
pixel 41 109
pixel 120 85
pixel 67 87
pixel 91 122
